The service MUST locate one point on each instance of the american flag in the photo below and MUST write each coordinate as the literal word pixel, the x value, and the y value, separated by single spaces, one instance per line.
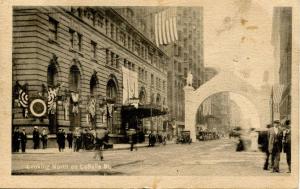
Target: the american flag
pixel 165 26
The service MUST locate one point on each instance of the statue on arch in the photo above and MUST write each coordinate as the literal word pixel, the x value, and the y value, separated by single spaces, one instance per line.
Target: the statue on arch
pixel 189 79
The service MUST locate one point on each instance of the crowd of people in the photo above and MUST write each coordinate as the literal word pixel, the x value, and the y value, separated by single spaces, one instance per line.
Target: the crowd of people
pixel 85 139
pixel 273 141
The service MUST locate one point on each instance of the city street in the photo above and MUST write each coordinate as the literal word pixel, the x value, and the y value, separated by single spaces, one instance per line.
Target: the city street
pixel 216 158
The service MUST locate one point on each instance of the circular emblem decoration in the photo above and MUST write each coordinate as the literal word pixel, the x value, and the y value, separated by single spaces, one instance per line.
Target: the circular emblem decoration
pixel 38 107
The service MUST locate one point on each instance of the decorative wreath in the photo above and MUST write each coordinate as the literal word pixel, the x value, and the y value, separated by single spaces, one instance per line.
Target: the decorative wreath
pixel 38 107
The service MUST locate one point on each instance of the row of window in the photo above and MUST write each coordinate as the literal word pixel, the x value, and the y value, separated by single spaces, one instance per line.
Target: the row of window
pixel 75 42
pixel 129 41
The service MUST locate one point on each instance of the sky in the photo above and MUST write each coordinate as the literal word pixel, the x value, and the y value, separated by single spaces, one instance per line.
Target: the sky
pixel 238 38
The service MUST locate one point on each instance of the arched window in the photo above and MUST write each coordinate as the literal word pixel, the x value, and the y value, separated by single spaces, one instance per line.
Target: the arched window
pixel 142 96
pixel 93 85
pixel 52 75
pixel 158 99
pixel 111 89
pixel 74 79
pixel 152 98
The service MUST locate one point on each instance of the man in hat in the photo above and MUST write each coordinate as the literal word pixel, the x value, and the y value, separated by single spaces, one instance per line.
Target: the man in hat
pixel 16 140
pixel 36 138
pixel 264 143
pixel 23 137
pixel 44 138
pixel 287 143
pixel 275 144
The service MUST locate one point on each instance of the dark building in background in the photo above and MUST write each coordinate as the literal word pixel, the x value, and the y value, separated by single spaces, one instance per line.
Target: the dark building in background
pixel 282 41
pixel 215 113
pixel 85 50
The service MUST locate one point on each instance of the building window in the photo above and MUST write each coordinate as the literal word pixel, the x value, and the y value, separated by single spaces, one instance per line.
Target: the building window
pixel 111 90
pixel 79 41
pixel 94 49
pixel 74 81
pixel 179 67
pixel 53 27
pixel 93 85
pixel 152 80
pixel 142 96
pixel 185 72
pixel 107 56
pixel 52 75
pixel 75 40
pixel 185 43
pixel 112 31
pixel 71 40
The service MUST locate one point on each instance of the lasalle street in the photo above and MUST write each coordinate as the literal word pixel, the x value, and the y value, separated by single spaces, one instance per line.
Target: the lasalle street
pixel 127 91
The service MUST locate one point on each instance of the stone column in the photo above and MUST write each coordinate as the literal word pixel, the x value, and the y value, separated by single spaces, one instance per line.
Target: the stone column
pixel 190 113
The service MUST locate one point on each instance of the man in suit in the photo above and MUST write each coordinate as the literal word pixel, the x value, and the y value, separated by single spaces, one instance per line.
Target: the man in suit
pixel 16 140
pixel 263 141
pixel 275 144
pixel 36 138
pixel 287 143
pixel 23 138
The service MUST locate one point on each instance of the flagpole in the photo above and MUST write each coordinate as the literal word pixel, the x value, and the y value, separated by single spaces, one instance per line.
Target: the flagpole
pixel 272 98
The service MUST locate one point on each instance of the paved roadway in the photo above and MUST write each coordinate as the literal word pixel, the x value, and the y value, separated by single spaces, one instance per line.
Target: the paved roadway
pixel 217 158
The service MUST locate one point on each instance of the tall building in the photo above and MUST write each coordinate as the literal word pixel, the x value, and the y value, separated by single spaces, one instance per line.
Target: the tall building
pixel 282 41
pixel 186 54
pixel 235 115
pixel 216 108
pixel 85 67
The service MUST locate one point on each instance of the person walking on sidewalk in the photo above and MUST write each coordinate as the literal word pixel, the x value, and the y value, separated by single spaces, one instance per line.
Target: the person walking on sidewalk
pixel 36 138
pixel 16 140
pixel 70 139
pixel 275 144
pixel 59 139
pixel 23 137
pixel 287 143
pixel 44 138
pixel 77 140
pixel 263 142
pixel 101 135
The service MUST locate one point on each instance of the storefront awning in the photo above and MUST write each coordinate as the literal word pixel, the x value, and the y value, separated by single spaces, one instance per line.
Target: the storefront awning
pixel 144 111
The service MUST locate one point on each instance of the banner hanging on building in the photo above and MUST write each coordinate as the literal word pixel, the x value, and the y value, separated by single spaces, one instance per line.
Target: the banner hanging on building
pixel 130 84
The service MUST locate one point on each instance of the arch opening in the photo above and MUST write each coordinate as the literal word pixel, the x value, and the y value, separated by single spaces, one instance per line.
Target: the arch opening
pixel 221 112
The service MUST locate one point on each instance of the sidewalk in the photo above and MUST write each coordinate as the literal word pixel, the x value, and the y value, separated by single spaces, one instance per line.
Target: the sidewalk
pixel 115 147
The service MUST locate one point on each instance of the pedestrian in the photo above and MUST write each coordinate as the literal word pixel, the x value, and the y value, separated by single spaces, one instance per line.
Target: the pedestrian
pixel 36 138
pixel 264 143
pixel 287 143
pixel 70 139
pixel 275 145
pixel 77 140
pixel 16 140
pixel 23 137
pixel 44 138
pixel 254 140
pixel 59 140
pixel 132 138
pixel 63 139
pixel 101 135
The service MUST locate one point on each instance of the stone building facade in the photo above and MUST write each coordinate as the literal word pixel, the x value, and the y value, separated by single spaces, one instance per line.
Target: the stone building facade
pixel 80 52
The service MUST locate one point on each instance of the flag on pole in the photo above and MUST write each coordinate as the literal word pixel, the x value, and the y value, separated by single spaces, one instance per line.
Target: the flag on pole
pixel 277 93
pixel 165 26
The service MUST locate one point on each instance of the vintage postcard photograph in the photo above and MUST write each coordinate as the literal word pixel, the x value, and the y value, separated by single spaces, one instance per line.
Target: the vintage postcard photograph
pixel 162 92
